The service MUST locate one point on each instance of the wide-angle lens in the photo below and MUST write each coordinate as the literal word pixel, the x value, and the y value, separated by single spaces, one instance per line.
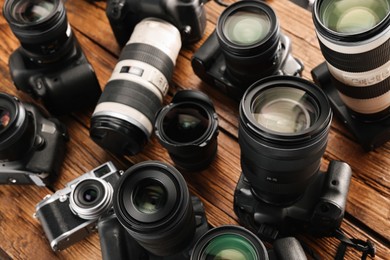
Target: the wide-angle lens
pixel 229 243
pixel 91 197
pixel 32 11
pixel 124 116
pixel 284 125
pixel 354 38
pixel 152 202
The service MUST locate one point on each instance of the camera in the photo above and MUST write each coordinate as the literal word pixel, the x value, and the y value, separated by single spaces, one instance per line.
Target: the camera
pixel 124 116
pixel 354 39
pixel 50 64
pixel 70 214
pixel 234 242
pixel 283 133
pixel 188 16
pixel 153 205
pixel 246 46
pixel 188 129
pixel 32 145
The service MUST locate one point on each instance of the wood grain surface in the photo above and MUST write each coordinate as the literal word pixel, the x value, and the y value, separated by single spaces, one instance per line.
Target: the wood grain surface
pixel 368 206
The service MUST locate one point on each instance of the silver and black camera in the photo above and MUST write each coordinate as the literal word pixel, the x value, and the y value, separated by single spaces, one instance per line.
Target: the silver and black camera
pixel 246 46
pixel 70 214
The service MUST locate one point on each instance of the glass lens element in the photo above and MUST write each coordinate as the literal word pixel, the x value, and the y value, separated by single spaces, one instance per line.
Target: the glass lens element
pixel 150 196
pixel 229 247
pixel 32 11
pixel 5 118
pixel 90 195
pixel 246 27
pixel 284 110
pixel 353 16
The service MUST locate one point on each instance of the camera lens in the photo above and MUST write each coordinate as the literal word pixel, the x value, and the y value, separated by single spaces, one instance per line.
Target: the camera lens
pixel 41 27
pixel 229 243
pixel 354 39
pixel 90 198
pixel 188 129
pixel 249 36
pixel 152 202
pixel 123 119
pixel 16 129
pixel 284 125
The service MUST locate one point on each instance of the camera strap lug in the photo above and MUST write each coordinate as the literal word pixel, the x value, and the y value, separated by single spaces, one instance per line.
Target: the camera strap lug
pixel 367 247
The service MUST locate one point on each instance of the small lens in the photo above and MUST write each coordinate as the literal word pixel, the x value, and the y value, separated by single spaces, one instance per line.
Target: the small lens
pixel 246 27
pixel 5 118
pixel 186 123
pixel 284 109
pixel 150 196
pixel 346 16
pixel 90 195
pixel 32 11
pixel 230 247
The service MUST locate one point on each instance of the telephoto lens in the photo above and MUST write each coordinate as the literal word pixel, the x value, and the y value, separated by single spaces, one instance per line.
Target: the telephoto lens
pixel 188 129
pixel 283 133
pixel 354 37
pixel 153 204
pixel 124 117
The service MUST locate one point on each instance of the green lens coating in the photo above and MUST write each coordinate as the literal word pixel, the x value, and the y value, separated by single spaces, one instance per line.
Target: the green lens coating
pixel 246 27
pixel 284 110
pixel 353 16
pixel 150 196
pixel 32 11
pixel 90 195
pixel 5 118
pixel 229 247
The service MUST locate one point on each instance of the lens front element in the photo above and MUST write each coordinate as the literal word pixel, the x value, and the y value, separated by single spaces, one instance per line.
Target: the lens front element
pixel 32 11
pixel 150 196
pixel 5 118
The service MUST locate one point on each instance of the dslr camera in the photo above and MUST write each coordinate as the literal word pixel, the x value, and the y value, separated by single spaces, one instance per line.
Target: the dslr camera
pixel 189 17
pixel 246 46
pixel 50 64
pixel 70 214
pixel 283 133
pixel 32 145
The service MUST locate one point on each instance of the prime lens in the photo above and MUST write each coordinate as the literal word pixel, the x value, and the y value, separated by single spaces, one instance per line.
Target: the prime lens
pixel 152 202
pixel 124 117
pixel 249 35
pixel 41 27
pixel 229 243
pixel 284 125
pixel 355 40
pixel 188 129
pixel 16 129
pixel 91 197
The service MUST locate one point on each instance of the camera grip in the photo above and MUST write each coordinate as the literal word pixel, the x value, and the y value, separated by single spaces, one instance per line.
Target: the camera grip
pixel 288 248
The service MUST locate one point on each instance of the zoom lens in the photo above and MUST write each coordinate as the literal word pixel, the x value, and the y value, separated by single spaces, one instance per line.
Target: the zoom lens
pixel 124 117
pixel 229 243
pixel 355 40
pixel 152 202
pixel 16 129
pixel 41 27
pixel 188 129
pixel 90 198
pixel 249 36
pixel 284 125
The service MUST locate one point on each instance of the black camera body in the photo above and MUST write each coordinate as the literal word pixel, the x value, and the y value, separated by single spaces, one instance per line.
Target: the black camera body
pixel 32 145
pixel 318 211
pixel 65 85
pixel 189 17
pixel 64 220
pixel 209 64
pixel 117 244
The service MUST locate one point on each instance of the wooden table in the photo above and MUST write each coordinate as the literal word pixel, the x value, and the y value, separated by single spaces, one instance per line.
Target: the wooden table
pixel 368 206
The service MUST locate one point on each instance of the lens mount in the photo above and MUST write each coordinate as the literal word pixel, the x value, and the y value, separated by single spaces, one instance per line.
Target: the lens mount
pixel 229 242
pixel 90 198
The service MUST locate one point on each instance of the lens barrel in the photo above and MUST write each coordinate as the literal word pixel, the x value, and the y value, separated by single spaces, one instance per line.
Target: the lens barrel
pixel 152 202
pixel 41 27
pixel 249 35
pixel 17 129
pixel 188 129
pixel 229 242
pixel 354 37
pixel 284 125
pixel 124 117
